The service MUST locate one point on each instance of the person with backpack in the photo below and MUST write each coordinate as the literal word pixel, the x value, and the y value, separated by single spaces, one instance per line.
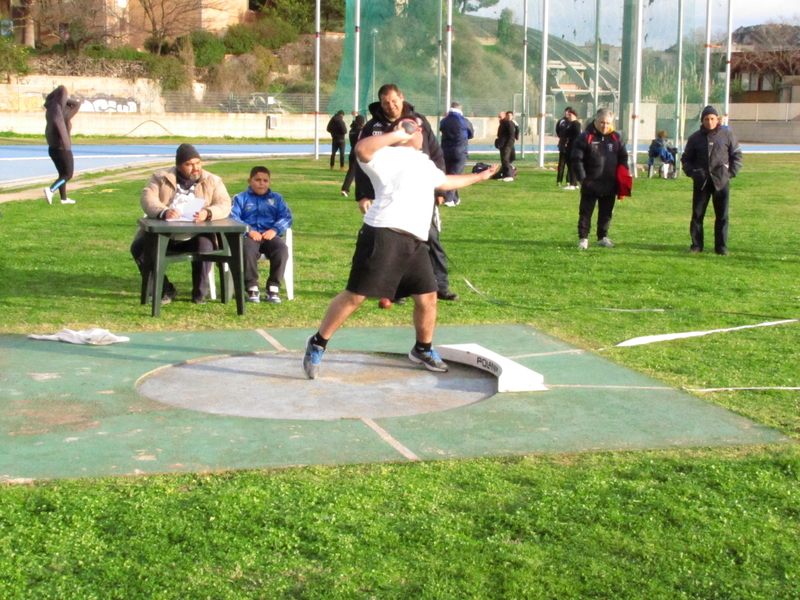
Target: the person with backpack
pixel 596 156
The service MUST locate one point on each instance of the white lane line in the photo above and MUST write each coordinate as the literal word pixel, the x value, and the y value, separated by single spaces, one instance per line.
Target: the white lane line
pixel 733 389
pixel 390 440
pixel 275 343
pixel 576 351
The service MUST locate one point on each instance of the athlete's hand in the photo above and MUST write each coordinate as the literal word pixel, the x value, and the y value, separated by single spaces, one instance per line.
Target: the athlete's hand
pixel 364 204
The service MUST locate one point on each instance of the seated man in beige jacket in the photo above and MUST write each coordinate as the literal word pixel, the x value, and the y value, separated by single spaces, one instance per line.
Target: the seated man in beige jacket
pixel 170 188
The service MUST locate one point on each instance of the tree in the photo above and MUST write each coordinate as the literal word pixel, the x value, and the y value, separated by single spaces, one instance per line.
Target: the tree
pixel 166 20
pixel 505 28
pixel 13 59
pixel 75 23
pixel 465 6
pixel 770 49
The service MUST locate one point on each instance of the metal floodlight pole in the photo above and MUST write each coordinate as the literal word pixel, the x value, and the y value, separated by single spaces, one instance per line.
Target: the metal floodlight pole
pixel 543 99
pixel 357 57
pixel 637 85
pixel 316 80
pixel 596 92
pixel 374 36
pixel 449 90
pixel 679 83
pixel 439 72
pixel 524 77
pixel 728 53
pixel 707 66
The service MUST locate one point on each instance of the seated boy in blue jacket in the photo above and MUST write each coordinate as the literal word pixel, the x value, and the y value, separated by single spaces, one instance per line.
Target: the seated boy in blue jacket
pixel 268 217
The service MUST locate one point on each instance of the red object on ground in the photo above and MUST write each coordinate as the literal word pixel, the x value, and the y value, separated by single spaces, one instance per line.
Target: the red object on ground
pixel 385 303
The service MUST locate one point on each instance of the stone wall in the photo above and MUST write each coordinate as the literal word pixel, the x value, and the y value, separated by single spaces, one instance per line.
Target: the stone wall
pixel 100 94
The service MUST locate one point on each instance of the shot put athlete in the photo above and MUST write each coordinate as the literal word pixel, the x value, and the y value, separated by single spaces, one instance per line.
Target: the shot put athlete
pixel 391 257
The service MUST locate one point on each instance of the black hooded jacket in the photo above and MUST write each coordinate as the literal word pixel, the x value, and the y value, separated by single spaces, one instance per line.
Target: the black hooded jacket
pixel 337 127
pixel 378 125
pixel 712 153
pixel 59 110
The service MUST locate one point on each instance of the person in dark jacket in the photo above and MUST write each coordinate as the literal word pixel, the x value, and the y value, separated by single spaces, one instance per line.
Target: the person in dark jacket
pixel 595 156
pixel 338 131
pixel 355 132
pixel 563 154
pixel 59 110
pixel 392 106
pixel 569 132
pixel 456 132
pixel 507 134
pixel 712 156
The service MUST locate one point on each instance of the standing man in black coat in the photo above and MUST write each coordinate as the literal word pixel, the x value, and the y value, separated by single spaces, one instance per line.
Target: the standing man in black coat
pixel 507 134
pixel 338 131
pixel 392 106
pixel 456 132
pixel 569 129
pixel 711 158
pixel 597 153
pixel 563 154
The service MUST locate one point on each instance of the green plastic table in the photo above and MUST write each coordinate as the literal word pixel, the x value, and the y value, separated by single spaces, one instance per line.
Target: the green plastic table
pixel 157 233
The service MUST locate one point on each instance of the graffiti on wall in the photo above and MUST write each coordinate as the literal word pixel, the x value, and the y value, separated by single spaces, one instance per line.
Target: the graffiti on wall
pixel 103 103
pixel 106 104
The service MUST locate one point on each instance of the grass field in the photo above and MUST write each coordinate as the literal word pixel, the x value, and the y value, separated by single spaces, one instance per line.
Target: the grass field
pixel 722 523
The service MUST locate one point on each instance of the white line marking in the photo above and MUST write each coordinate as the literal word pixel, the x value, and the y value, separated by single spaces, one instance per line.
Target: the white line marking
pixel 390 440
pixel 576 351
pixel 276 344
pixel 649 339
pixel 733 389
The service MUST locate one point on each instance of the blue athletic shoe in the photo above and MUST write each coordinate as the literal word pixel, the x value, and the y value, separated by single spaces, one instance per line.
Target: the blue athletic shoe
pixel 431 360
pixel 312 359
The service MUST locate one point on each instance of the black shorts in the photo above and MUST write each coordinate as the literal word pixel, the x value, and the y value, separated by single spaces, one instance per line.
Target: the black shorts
pixel 388 264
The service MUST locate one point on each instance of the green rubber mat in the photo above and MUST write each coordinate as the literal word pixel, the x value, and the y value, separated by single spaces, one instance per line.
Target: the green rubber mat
pixel 72 411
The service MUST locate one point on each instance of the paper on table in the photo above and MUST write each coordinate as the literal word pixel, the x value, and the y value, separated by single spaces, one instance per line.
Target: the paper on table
pixel 188 207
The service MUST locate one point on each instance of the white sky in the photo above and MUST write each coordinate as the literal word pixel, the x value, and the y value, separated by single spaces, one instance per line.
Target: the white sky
pixel 574 20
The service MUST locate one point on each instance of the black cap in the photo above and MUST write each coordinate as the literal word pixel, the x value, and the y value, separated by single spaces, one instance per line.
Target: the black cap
pixel 708 110
pixel 185 152
pixel 569 109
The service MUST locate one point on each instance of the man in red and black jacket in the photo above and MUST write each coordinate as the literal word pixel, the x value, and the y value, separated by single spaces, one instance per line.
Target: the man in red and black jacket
pixel 595 156
pixel 392 106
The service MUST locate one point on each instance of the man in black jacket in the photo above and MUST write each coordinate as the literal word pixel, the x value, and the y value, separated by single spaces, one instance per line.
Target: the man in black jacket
pixel 568 133
pixel 392 106
pixel 711 158
pixel 507 134
pixel 596 154
pixel 338 131
pixel 456 132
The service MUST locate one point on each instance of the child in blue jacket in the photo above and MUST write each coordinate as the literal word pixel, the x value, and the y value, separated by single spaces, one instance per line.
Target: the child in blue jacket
pixel 268 217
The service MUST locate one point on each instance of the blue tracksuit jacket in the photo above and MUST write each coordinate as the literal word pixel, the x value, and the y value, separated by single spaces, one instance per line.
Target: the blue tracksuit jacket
pixel 262 212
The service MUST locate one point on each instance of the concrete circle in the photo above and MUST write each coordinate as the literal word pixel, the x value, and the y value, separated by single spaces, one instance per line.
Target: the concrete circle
pixel 350 386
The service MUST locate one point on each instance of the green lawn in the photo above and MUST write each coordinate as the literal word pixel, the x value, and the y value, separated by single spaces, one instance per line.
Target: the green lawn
pixel 722 523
